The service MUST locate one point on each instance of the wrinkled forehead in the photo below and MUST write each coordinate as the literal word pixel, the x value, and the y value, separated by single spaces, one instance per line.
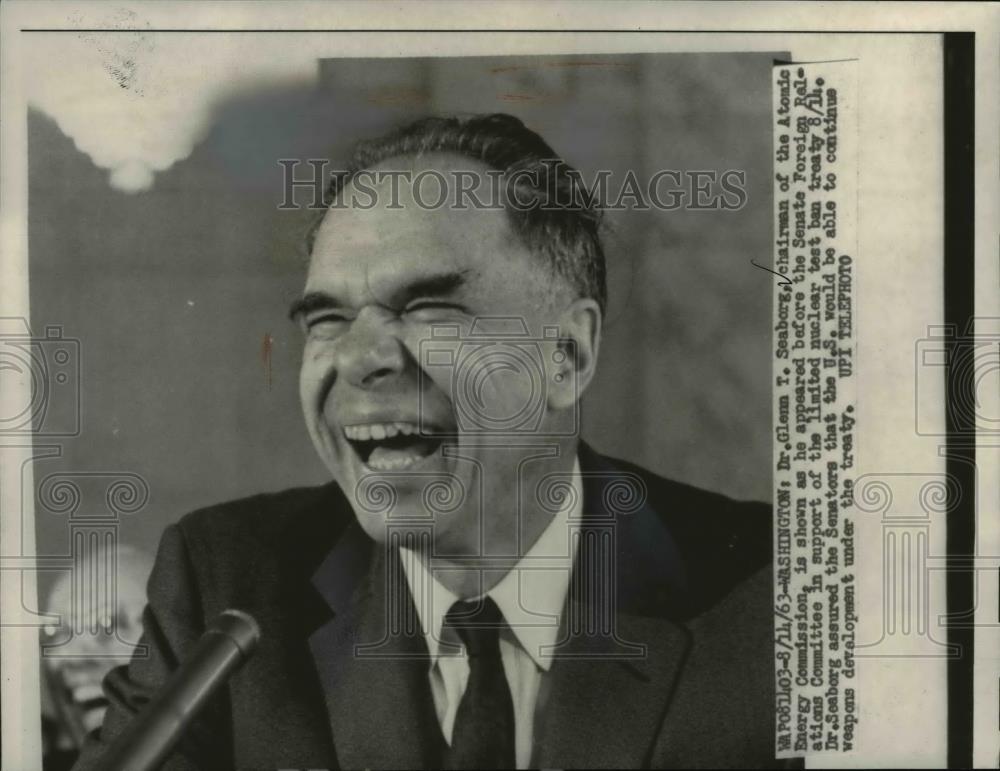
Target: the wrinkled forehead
pixel 392 222
pixel 439 196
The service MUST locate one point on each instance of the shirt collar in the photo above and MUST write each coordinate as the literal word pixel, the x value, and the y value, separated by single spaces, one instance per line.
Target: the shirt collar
pixel 530 596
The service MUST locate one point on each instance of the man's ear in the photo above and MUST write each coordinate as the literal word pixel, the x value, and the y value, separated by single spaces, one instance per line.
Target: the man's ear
pixel 575 359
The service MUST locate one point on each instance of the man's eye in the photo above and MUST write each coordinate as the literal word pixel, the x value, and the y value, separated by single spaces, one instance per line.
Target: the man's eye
pixel 325 320
pixel 432 307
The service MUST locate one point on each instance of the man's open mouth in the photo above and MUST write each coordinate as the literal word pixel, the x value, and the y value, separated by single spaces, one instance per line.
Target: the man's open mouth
pixel 392 446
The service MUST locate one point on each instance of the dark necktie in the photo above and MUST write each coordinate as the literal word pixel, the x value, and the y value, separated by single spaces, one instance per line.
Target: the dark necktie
pixel 483 736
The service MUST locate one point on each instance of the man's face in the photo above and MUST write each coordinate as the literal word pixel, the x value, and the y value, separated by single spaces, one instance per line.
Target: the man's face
pixel 387 398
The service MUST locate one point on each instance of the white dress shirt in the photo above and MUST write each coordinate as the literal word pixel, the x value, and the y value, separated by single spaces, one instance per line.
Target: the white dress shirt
pixel 531 598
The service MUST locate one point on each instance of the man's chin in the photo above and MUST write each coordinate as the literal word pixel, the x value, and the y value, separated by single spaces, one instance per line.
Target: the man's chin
pixel 395 532
pixel 409 525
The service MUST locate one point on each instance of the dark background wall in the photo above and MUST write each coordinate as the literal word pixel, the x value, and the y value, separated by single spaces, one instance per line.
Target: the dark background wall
pixel 172 291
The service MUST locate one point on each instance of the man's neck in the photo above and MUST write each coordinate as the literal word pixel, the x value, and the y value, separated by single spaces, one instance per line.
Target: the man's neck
pixel 516 528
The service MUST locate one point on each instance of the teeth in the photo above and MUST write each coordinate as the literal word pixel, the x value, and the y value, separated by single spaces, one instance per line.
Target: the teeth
pixel 391 456
pixel 365 432
pixel 394 463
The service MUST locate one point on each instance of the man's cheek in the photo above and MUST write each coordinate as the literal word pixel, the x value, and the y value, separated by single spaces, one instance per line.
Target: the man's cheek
pixel 440 387
pixel 436 383
pixel 492 396
pixel 315 375
pixel 435 357
pixel 508 397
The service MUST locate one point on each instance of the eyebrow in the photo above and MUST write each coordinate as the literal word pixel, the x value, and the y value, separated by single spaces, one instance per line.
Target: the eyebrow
pixel 433 285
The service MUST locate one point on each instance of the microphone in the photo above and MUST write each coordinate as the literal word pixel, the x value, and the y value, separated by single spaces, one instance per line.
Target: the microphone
pixel 156 729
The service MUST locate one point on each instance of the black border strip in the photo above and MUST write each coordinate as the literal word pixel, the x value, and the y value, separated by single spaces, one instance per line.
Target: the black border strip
pixel 960 448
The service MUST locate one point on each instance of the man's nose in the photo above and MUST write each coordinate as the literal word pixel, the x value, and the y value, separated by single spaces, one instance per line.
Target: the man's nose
pixel 370 354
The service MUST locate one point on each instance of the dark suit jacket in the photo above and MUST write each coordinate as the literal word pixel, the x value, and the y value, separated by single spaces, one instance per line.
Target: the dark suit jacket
pixel 674 670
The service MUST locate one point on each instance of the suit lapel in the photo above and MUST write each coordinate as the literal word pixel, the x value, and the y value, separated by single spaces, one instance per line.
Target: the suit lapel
pixel 620 657
pixel 605 709
pixel 372 660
